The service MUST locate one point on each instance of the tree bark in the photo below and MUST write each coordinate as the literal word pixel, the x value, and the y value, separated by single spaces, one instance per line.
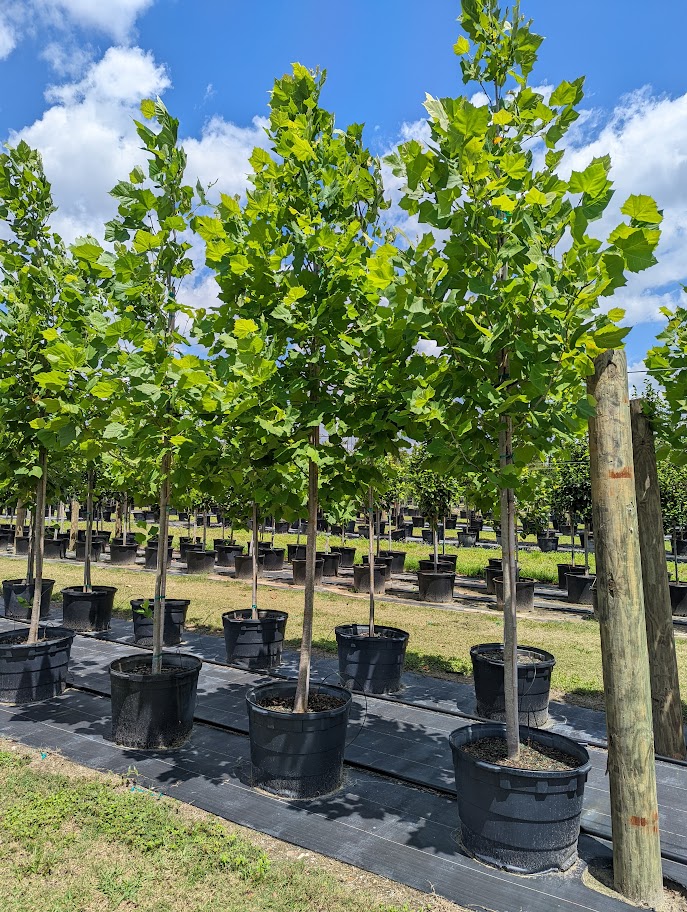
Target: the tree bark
pixel 39 545
pixel 20 517
pixel 161 574
pixel 669 738
pixel 119 525
pixel 303 686
pixel 74 524
pixel 89 534
pixel 510 618
pixel 624 651
pixel 371 560
pixel 254 549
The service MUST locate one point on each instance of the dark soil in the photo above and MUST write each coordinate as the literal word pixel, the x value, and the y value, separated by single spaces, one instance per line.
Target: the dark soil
pixel 20 639
pixel 146 668
pixel 533 756
pixel 316 703
pixel 524 658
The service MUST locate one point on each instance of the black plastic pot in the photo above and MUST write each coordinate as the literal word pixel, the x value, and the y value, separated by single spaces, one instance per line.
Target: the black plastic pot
pixel 153 712
pixel 490 574
pixel 175 618
pixel 451 523
pixel 347 557
pixel 467 539
pixel 331 562
pixel 681 547
pixel 534 683
pixel 547 543
pixel 18 598
pixel 524 593
pixel 119 540
pixel 384 562
pixel 226 554
pixel 398 560
pixel 151 557
pixel 102 536
pixel 274 558
pixel 185 543
pixel 428 536
pixel 450 559
pixel 21 544
pixel 580 588
pixel 31 673
pixel 220 542
pixel 5 540
pixel 200 561
pixel 255 644
pixel 436 587
pixel 678 598
pixel 97 548
pixel 243 566
pixel 373 665
pixel 53 548
pixel 87 611
pixel 123 555
pixel 427 566
pixel 299 571
pixel 523 821
pixel 564 570
pixel 496 562
pixel 297 755
pixel 295 552
pixel 418 522
pixel 361 579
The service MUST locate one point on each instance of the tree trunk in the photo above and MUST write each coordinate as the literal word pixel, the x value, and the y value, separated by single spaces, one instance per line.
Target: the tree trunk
pixel 20 517
pixel 303 686
pixel 669 738
pixel 89 534
pixel 118 526
pixel 254 550
pixel 371 560
pixel 435 545
pixel 161 574
pixel 74 524
pixel 510 618
pixel 39 545
pixel 624 651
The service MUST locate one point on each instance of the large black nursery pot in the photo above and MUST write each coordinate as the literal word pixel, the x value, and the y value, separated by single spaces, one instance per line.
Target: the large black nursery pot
pixel 564 570
pixel 151 557
pixel 97 548
pixel 547 543
pixel 18 598
pixel 123 555
pixel 254 643
pixel 361 579
pixel 273 558
pixel 21 545
pixel 299 571
pixel 580 588
pixel 119 539
pixel 427 566
pixel 535 667
pixel 87 611
pixel 54 548
pixel 681 547
pixel 382 562
pixel 200 561
pixel 153 712
pixel 185 543
pixel 297 755
pixel 371 664
pixel 398 560
pixel 450 559
pixel 295 552
pixel 436 587
pixel 226 555
pixel 330 560
pixel 522 821
pixel 175 618
pixel 524 593
pixel 467 539
pixel 31 673
pixel 678 598
pixel 243 566
pixel 347 556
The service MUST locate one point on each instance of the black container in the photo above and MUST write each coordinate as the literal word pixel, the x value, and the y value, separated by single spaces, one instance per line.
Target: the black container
pixel 18 598
pixel 445 559
pixel 295 552
pixel 119 540
pixel 436 587
pixel 54 548
pixel 226 555
pixel 86 611
pixel 274 558
pixel 331 562
pixel 534 683
pixel 564 570
pixel 297 755
pixel 97 548
pixel 102 536
pixel 428 536
pixel 361 579
pixel 681 547
pixel 200 561
pixel 299 571
pixel 467 539
pixel 373 665
pixel 418 522
pixel 490 574
pixel 398 560
pixel 524 593
pixel 522 821
pixel 580 588
pixel 451 522
pixel 175 618
pixel 347 557
pixel 5 540
pixel 678 598
pixel 123 555
pixel 151 557
pixel 21 544
pixel 185 543
pixel 220 542
pixel 427 566
pixel 496 562
pixel 547 543
pixel 255 644
pixel 153 712
pixel 31 673
pixel 384 562
pixel 243 566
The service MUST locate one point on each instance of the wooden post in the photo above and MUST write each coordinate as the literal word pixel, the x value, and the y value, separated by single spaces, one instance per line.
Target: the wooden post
pixel 624 652
pixel 74 524
pixel 669 738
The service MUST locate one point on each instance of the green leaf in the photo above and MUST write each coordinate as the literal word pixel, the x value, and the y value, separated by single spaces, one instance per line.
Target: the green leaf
pixel 642 209
pixel 113 430
pixel 148 108
pixel 243 328
pixel 502 118
pixel 462 46
pixel 593 180
pixel 535 197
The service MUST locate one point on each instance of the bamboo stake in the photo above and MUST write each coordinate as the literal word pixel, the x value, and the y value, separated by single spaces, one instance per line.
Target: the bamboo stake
pixel 303 686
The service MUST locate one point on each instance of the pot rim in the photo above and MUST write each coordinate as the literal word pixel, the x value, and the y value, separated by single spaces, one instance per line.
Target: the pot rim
pixel 272 614
pixel 289 687
pixel 549 657
pixel 60 634
pixel 95 590
pixel 194 665
pixel 343 630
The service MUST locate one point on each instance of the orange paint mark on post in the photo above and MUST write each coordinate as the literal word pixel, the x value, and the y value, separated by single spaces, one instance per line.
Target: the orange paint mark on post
pixel 623 473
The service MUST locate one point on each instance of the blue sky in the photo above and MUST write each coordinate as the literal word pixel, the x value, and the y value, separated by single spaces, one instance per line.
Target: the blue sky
pixel 214 62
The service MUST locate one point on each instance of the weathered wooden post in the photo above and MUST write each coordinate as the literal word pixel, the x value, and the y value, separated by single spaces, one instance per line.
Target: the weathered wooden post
pixel 620 596
pixel 669 738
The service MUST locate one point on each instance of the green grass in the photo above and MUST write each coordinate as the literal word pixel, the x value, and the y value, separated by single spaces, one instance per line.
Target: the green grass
pixel 74 841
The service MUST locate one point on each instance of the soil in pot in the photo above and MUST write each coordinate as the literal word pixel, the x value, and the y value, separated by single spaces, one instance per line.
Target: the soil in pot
pixel 436 587
pixel 175 618
pixel 580 588
pixel 524 593
pixel 153 712
pixel 371 664
pixel 331 562
pixel 361 579
pixel 535 667
pixel 299 571
pixel 347 557
pixel 526 821
pixel 18 598
pixel 243 566
pixel 87 611
pixel 297 755
pixel 255 644
pixel 564 570
pixel 36 672
pixel 678 598
pixel 273 558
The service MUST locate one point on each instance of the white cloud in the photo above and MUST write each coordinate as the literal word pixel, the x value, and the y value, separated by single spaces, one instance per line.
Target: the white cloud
pixel 114 18
pixel 220 156
pixel 8 38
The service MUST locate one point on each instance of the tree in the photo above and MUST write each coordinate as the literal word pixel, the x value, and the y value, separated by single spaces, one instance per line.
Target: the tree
pixel 667 363
pixel 435 494
pixel 510 294
pixel 572 491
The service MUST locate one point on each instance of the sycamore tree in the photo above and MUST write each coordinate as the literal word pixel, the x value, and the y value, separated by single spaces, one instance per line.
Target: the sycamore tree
pixel 509 288
pixel 667 363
